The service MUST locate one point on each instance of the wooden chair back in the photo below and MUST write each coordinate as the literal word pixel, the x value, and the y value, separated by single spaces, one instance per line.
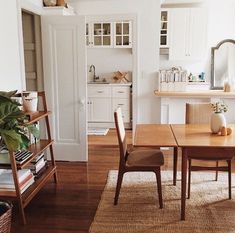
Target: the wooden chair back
pixel 121 134
pixel 198 113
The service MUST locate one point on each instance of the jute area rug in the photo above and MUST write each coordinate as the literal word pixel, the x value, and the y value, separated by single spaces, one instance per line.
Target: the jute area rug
pixel 208 209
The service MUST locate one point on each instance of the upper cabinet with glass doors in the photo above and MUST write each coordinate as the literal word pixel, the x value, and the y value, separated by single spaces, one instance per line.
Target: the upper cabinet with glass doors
pixel 164 32
pixel 123 34
pixel 109 35
pixel 99 35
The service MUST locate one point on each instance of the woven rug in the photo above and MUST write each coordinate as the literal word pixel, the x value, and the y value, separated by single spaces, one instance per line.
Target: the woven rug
pixel 208 209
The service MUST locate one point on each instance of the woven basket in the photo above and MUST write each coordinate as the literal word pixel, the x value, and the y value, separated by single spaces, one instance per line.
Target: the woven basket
pixel 5 217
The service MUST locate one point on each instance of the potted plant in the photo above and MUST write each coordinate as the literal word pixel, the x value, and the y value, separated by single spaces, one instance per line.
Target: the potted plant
pixel 13 125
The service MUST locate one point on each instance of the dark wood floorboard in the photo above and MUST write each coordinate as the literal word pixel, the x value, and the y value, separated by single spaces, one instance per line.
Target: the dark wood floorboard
pixel 70 206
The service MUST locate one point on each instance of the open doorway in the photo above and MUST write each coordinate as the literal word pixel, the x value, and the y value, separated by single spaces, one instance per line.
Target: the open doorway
pixel 31 25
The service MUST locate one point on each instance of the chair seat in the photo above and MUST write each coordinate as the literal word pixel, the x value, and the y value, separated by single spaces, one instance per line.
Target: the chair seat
pixel 145 158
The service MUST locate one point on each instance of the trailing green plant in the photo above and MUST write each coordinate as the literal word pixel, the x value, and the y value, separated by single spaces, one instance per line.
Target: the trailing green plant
pixel 13 125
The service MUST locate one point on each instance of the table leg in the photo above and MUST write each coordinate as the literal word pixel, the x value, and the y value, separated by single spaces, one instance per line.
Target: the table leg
pixel 175 165
pixel 183 183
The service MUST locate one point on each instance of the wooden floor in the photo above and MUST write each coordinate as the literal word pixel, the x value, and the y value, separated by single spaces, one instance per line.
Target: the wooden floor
pixel 70 206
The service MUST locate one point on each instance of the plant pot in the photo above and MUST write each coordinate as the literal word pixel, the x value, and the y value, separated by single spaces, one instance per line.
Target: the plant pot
pixel 5 216
pixel 217 122
pixel 30 101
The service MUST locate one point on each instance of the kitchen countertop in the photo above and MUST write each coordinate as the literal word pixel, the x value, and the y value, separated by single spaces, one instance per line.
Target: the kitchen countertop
pixel 203 94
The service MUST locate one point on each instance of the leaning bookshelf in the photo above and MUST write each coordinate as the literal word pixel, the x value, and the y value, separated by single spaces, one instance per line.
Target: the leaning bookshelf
pixel 37 148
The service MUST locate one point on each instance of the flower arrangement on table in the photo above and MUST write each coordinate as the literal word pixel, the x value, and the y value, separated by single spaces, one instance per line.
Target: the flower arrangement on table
pixel 218 121
pixel 219 107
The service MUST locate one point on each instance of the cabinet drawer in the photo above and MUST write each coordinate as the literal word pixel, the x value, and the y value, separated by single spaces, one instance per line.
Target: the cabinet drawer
pixel 99 92
pixel 123 103
pixel 121 92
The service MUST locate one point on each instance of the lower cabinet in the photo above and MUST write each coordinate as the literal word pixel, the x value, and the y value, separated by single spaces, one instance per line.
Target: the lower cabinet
pixel 99 109
pixel 104 99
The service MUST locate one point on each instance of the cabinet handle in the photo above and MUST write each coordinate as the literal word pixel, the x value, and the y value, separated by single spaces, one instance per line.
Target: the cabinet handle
pixel 120 104
pixel 121 92
pixel 100 91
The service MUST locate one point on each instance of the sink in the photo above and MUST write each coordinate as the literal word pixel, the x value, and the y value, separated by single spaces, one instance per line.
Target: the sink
pixel 98 82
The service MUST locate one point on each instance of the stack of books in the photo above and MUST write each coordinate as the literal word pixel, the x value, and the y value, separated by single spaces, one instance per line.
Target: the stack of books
pixel 25 176
pixel 37 165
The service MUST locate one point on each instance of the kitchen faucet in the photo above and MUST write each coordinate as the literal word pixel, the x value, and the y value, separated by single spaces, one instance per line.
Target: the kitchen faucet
pixel 92 67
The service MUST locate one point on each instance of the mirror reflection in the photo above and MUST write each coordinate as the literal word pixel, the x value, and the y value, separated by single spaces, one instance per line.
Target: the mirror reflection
pixel 223 64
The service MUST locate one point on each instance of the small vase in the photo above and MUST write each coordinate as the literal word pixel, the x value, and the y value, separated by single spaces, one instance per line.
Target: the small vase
pixel 217 122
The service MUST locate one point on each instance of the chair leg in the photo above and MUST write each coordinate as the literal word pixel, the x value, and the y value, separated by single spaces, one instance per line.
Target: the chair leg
pixel 118 187
pixel 229 179
pixel 159 187
pixel 216 174
pixel 189 177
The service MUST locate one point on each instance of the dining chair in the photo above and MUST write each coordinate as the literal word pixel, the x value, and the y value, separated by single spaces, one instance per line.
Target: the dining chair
pixel 136 160
pixel 200 113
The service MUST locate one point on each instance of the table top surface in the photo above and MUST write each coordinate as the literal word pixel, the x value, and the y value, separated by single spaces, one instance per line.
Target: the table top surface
pixel 198 135
pixel 154 135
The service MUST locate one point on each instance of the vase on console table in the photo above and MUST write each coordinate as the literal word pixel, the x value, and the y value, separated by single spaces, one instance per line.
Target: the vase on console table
pixel 217 122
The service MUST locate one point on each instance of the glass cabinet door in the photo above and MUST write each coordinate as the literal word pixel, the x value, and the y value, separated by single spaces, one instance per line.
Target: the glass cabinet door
pixel 102 35
pixel 123 34
pixel 164 29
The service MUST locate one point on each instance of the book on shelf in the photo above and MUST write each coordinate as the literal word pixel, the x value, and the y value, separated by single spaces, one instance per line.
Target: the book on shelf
pixel 36 167
pixel 25 176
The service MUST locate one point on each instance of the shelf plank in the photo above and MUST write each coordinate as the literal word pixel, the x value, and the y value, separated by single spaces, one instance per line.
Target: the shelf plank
pixel 38 185
pixel 37 148
pixel 34 188
pixel 36 116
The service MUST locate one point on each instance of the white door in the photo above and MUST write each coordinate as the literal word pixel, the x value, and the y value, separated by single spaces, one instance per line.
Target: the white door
pixel 64 60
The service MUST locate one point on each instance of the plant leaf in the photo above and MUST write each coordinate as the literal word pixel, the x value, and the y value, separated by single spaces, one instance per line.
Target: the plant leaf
pixel 8 94
pixel 11 139
pixel 33 130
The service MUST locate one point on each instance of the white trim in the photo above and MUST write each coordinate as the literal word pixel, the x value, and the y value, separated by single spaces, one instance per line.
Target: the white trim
pixel 29 6
pixel 21 46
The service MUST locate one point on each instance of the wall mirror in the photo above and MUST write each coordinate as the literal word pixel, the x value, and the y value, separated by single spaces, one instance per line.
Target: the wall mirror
pixel 223 64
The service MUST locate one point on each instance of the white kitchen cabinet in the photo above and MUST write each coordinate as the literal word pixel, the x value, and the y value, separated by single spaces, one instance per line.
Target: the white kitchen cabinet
pixel 188 33
pixel 99 35
pixel 109 34
pixel 123 34
pixel 121 98
pixel 104 99
pixel 99 103
pixel 99 109
pixel 164 31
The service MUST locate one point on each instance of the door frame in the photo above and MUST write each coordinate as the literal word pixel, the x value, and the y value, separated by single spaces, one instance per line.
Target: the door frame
pixel 135 56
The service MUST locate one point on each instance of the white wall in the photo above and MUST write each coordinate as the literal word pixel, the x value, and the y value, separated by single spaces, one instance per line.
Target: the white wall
pixel 148 40
pixel 108 60
pixel 10 65
pixel 220 26
pixel 11 45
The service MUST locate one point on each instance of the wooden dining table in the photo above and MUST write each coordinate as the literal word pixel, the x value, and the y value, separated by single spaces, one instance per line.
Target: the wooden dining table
pixel 193 139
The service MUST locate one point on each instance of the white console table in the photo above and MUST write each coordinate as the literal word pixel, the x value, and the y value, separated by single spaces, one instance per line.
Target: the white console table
pixel 173 104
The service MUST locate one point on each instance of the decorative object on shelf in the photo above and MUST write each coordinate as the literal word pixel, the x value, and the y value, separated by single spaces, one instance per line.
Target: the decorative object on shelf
pixel 120 77
pixel 5 216
pixel 12 126
pixel 30 101
pixel 227 86
pixel 173 79
pixel 217 117
pixel 61 3
pixel 49 2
